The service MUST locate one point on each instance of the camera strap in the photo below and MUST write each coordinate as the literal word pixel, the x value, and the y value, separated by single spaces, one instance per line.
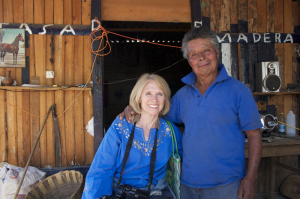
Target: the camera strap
pixel 126 155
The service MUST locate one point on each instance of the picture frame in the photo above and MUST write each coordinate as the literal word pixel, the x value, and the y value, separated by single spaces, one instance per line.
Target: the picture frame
pixel 12 48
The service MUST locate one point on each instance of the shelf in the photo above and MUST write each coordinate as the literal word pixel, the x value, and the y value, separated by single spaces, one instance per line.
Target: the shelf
pixel 43 88
pixel 277 93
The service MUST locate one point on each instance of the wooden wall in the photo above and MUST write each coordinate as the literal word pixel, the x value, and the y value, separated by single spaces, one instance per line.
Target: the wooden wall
pixel 72 65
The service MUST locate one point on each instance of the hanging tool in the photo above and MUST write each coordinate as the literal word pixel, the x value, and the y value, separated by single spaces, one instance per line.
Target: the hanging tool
pixel 57 138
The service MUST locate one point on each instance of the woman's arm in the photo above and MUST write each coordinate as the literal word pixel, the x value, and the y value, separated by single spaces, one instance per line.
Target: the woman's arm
pixel 100 176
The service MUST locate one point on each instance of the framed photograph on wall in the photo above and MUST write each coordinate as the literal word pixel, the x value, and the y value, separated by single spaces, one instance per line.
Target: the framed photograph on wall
pixel 12 47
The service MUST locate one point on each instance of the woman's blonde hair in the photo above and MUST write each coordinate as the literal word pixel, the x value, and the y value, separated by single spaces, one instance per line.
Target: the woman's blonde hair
pixel 137 90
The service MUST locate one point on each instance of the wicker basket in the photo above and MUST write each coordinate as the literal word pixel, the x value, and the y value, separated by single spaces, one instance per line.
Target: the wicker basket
pixel 64 185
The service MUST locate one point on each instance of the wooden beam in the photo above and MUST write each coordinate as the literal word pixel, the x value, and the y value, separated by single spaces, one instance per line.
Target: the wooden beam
pixel 154 10
pixel 97 81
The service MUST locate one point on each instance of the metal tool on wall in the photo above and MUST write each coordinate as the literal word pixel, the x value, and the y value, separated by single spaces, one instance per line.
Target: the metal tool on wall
pixel 57 138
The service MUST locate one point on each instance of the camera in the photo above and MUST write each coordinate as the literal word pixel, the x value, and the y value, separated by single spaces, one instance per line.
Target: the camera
pixel 126 191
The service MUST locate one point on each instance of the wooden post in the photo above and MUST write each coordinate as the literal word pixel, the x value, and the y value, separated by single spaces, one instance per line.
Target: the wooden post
pixel 196 13
pixel 97 82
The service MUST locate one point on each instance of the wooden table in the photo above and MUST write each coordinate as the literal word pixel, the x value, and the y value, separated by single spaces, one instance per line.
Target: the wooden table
pixel 278 147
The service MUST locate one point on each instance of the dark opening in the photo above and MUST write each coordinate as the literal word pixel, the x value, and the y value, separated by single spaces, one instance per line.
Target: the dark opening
pixel 130 59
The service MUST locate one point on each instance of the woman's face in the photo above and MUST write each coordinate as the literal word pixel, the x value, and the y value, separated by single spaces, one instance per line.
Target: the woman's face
pixel 152 99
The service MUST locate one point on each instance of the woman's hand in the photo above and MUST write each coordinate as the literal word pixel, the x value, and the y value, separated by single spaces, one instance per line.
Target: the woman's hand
pixel 128 114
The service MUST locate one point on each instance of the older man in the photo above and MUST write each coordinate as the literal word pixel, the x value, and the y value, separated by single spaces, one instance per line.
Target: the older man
pixel 217 111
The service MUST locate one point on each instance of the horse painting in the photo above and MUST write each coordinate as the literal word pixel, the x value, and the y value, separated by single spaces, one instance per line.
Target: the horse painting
pixel 11 48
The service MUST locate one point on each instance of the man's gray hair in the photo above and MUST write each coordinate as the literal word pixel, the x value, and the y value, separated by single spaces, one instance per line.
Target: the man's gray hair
pixel 197 33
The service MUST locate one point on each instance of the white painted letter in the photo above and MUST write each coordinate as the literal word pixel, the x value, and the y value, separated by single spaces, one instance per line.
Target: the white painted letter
pixel 197 24
pixel 66 30
pixel 221 40
pixel 266 37
pixel 44 30
pixel 26 27
pixel 256 40
pixel 277 38
pixel 242 36
pixel 4 24
pixel 93 27
pixel 288 38
pixel 226 55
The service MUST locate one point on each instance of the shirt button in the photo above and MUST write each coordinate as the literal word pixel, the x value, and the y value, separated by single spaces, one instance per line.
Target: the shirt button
pixel 198 96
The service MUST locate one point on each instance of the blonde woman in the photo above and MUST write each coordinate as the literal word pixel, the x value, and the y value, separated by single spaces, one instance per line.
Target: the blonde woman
pixel 115 172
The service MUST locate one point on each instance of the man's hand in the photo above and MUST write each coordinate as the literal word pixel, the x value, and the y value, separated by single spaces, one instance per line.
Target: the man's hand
pixel 128 114
pixel 247 189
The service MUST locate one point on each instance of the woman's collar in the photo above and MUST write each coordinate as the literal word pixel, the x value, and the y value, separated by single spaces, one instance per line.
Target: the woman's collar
pixel 137 117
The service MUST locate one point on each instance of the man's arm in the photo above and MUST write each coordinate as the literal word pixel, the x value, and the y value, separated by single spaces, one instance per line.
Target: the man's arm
pixel 247 189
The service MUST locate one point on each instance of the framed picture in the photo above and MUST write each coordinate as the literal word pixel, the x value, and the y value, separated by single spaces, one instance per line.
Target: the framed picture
pixel 12 47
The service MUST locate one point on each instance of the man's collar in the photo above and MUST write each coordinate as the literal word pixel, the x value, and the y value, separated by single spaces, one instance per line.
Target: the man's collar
pixel 191 78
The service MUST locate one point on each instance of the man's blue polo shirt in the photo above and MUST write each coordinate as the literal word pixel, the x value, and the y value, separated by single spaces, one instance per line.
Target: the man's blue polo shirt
pixel 215 124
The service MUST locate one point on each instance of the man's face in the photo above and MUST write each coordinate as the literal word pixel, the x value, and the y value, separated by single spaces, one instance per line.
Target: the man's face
pixel 203 57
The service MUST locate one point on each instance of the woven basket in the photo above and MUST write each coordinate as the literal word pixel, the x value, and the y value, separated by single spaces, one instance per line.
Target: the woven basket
pixel 64 185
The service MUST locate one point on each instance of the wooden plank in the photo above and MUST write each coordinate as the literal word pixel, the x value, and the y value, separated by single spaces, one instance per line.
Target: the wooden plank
pixel 234 12
pixel 3 133
pixel 278 16
pixel 68 12
pixel 28 11
pixel 252 61
pixel 252 16
pixel 69 97
pixel 87 98
pixel 87 105
pixel 244 53
pixel 97 83
pixel 287 16
pixel 243 10
pixel 234 47
pixel 12 128
pixel 40 63
pixel 18 18
pixel 68 78
pixel 2 70
pixel 28 18
pixel 76 12
pixel 155 10
pixel 21 151
pixel 225 16
pixel 59 95
pixel 49 19
pixel 8 17
pixel 296 16
pixel 215 16
pixel 252 28
pixel 35 127
pixel 86 12
pixel 78 105
pixel 26 128
pixel 262 15
pixel 270 15
pixel 58 12
pixel 39 11
pixel 79 129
